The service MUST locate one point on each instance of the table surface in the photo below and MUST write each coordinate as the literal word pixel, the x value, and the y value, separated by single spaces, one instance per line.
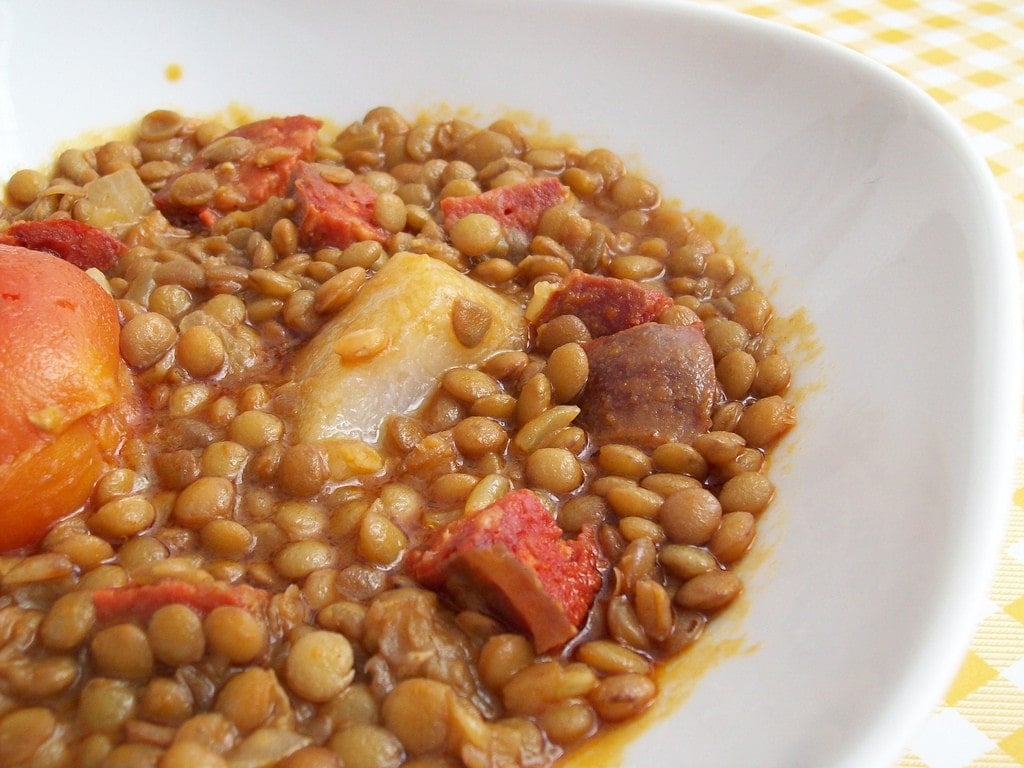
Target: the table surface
pixel 969 57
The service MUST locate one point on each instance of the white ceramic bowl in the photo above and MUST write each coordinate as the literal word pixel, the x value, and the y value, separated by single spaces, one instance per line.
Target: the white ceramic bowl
pixel 873 220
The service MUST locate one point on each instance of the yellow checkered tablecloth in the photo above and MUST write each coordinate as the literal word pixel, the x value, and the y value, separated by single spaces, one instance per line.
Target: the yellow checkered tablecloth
pixel 969 56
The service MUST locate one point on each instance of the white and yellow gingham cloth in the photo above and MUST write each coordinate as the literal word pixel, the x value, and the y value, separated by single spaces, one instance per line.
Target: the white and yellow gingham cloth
pixel 969 56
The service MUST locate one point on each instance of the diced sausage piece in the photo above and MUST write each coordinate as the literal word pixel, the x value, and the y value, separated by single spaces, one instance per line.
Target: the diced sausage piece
pixel 276 145
pixel 648 385
pixel 407 306
pixel 141 600
pixel 604 304
pixel 74 241
pixel 510 559
pixel 329 214
pixel 515 206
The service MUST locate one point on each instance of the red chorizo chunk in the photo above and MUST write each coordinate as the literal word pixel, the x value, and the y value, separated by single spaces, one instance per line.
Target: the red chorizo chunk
pixel 336 215
pixel 604 304
pixel 276 146
pixel 141 600
pixel 510 559
pixel 74 241
pixel 515 206
pixel 648 385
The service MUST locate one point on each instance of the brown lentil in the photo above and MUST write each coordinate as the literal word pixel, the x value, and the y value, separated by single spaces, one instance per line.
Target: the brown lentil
pixel 746 491
pixel 319 665
pixel 764 421
pixel 235 633
pixel 691 516
pixel 734 536
pixel 709 591
pixel 622 696
pixel 554 469
pixel 146 338
pixel 122 651
pixel 175 634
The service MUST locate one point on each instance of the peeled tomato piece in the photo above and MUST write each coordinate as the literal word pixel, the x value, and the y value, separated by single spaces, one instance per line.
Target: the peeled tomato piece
pixel 410 300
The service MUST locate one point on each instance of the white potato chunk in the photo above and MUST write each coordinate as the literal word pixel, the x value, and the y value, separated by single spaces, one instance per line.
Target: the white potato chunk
pixel 384 352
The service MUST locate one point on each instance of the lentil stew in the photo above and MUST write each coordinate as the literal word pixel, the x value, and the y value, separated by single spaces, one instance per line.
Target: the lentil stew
pixel 431 443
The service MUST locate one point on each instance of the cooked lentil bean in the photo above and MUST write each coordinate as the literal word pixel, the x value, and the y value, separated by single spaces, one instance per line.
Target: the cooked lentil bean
pixel 470 321
pixel 217 488
pixel 206 499
pixel 568 721
pixel 122 651
pixel 545 682
pixel 765 421
pixel 734 536
pixel 772 376
pixel 25 186
pixel 417 712
pixel 475 234
pixel 686 561
pixel 235 633
pixel 68 622
pixel 567 370
pixel 303 470
pixel 682 458
pixel 554 469
pixel 719 446
pixel 622 696
pixel 175 634
pixel 300 558
pixel 319 665
pixel 367 746
pixel 105 704
pixel 709 591
pixel 534 432
pixel 736 371
pixel 691 516
pixel 200 351
pixel 624 461
pixel 633 501
pixel 146 338
pixel 223 458
pixel 123 517
pixel 635 528
pixel 746 491
pixel 356 346
pixel 667 483
pixel 380 540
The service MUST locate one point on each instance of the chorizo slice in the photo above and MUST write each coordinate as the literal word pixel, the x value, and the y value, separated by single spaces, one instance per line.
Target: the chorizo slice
pixel 76 242
pixel 272 149
pixel 510 559
pixel 328 214
pixel 604 304
pixel 514 206
pixel 142 600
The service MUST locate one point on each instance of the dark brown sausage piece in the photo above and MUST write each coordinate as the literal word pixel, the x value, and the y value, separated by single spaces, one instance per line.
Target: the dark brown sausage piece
pixel 648 385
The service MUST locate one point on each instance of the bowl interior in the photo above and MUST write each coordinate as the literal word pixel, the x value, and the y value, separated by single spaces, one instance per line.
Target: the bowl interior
pixel 874 226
